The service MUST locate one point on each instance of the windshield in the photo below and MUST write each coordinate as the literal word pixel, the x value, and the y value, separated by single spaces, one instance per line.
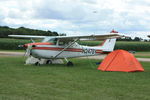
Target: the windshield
pixel 50 40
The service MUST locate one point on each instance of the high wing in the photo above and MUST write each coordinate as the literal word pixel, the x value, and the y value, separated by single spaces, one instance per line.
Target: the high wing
pixel 27 36
pixel 70 38
pixel 89 37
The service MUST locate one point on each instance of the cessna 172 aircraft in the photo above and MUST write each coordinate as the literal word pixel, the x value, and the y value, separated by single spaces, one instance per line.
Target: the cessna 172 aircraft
pixel 63 47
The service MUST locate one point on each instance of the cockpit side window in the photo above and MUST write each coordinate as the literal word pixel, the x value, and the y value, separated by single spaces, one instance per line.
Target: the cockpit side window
pixel 62 42
pixel 54 41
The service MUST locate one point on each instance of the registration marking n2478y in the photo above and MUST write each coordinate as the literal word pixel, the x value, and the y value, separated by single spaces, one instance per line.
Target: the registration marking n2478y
pixel 89 51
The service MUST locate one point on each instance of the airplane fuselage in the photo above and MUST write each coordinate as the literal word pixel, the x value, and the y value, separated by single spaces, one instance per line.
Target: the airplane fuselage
pixel 56 52
pixel 57 47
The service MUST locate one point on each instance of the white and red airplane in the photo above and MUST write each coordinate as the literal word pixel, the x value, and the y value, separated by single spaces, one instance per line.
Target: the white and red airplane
pixel 63 47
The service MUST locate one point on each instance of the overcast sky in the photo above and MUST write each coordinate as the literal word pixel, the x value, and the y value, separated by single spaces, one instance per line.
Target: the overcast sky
pixel 78 16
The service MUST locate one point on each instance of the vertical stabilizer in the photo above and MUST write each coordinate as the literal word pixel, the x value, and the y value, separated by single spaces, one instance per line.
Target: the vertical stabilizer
pixel 109 45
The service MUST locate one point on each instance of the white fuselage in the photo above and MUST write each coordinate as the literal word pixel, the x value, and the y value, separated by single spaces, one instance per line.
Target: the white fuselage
pixel 52 48
pixel 54 51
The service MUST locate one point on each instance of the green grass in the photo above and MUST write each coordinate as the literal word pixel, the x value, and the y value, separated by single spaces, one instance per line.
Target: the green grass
pixel 142 56
pixel 81 82
pixel 142 53
pixel 12 50
pixel 12 44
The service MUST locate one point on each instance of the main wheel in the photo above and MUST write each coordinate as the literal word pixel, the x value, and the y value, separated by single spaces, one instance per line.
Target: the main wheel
pixel 48 62
pixel 69 63
pixel 37 64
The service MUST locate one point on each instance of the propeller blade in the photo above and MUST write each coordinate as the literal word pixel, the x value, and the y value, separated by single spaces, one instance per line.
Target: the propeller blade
pixel 28 50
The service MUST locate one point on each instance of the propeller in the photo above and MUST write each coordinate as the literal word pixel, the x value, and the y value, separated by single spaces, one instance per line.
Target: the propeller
pixel 28 50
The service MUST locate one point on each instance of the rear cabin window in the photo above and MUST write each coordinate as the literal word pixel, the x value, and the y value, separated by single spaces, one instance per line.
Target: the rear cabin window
pixel 61 43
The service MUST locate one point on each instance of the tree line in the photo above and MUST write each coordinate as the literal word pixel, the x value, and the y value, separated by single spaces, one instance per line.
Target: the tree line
pixel 5 31
pixel 134 39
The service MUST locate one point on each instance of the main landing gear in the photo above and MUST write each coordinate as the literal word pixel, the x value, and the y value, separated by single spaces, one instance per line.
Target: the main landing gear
pixel 69 63
pixel 38 62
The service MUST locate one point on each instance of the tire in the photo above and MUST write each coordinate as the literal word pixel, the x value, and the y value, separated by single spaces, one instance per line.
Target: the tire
pixel 70 64
pixel 48 62
pixel 37 64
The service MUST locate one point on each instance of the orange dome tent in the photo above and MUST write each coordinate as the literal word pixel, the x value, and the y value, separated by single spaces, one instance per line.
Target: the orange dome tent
pixel 120 60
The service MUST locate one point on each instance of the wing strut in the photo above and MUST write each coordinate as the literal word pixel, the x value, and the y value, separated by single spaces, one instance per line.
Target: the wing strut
pixel 32 40
pixel 66 47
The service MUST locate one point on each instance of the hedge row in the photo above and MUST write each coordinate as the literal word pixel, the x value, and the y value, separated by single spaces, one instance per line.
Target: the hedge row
pixel 125 45
pixel 12 44
pixel 133 46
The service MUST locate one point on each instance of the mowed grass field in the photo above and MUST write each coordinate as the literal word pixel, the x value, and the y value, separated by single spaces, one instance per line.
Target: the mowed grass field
pixel 81 82
pixel 142 54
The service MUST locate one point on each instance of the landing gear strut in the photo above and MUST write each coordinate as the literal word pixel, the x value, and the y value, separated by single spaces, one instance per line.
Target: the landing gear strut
pixel 69 63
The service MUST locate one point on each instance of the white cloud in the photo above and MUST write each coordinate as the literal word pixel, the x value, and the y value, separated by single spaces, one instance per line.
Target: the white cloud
pixel 77 16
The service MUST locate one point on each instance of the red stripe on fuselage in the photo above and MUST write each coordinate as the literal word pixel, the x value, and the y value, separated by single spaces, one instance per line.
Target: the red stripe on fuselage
pixel 99 51
pixel 38 43
pixel 59 49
